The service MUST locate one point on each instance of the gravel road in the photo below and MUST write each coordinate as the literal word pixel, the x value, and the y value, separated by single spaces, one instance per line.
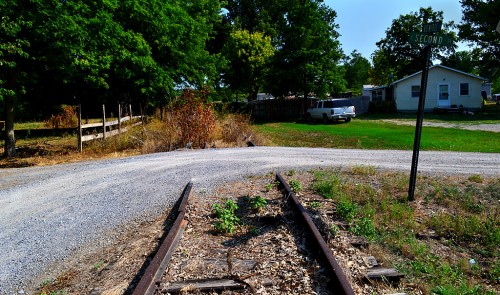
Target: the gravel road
pixel 48 212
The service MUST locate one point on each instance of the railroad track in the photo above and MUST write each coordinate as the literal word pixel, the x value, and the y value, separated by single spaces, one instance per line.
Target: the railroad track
pixel 254 270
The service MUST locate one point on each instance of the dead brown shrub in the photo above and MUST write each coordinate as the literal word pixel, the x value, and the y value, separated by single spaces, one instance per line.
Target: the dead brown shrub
pixel 67 118
pixel 196 120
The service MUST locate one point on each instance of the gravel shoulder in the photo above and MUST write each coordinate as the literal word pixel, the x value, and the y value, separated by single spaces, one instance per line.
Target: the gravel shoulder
pixel 48 213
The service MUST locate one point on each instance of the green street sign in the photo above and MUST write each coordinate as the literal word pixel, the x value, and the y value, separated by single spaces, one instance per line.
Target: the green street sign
pixel 436 40
pixel 432 27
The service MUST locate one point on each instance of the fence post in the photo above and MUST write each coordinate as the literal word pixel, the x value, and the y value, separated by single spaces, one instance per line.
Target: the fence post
pixel 80 133
pixel 103 122
pixel 142 113
pixel 130 108
pixel 119 119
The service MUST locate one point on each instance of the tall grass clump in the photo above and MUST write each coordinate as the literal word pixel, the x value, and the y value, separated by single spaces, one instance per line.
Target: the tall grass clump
pixel 328 183
pixel 235 128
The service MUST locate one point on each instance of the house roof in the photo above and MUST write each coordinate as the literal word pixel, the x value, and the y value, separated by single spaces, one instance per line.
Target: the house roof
pixel 443 67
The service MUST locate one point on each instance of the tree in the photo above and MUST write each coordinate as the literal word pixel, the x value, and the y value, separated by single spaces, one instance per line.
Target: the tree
pixel 357 71
pixel 465 61
pixel 12 53
pixel 308 51
pixel 479 20
pixel 249 55
pixel 304 35
pixel 398 58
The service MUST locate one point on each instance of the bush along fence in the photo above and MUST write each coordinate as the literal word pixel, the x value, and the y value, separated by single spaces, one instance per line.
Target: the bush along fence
pixel 107 128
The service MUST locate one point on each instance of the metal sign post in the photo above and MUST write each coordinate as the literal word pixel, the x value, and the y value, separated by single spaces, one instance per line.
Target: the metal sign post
pixel 427 38
pixel 420 118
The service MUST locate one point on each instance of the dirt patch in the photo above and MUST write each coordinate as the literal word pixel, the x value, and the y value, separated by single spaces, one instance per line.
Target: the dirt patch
pixel 494 127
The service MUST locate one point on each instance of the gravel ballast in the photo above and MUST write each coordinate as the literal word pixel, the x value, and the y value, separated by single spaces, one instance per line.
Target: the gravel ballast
pixel 46 213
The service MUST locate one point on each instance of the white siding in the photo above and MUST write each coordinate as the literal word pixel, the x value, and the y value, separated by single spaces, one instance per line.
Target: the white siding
pixel 437 76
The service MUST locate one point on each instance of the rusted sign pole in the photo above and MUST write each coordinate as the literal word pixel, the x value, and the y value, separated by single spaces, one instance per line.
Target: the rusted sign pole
pixel 420 118
pixel 429 38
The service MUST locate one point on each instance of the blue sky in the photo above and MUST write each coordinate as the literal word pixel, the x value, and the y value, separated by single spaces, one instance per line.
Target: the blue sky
pixel 364 22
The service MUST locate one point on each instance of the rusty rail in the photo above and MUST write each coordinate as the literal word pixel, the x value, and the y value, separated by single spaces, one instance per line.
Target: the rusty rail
pixel 339 282
pixel 159 263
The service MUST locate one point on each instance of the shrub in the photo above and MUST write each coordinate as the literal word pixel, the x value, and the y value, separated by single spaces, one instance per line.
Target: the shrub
pixel 295 185
pixel 196 120
pixel 258 203
pixel 226 219
pixel 67 118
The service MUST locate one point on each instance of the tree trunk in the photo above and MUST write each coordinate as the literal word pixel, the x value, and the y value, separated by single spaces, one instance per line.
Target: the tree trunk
pixel 10 139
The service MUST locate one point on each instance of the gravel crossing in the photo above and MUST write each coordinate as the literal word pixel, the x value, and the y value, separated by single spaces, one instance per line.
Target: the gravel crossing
pixel 46 213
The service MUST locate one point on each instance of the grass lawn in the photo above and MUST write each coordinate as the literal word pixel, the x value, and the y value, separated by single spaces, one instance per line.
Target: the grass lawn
pixel 375 134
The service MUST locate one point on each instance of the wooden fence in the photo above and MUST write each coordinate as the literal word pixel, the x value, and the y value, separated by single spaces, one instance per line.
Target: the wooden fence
pixel 294 109
pixel 107 127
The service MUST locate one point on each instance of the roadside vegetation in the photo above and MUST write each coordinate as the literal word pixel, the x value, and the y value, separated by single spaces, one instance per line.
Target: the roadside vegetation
pixel 195 123
pixel 382 131
pixel 445 242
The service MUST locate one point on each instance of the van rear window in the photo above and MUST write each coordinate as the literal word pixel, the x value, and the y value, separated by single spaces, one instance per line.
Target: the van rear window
pixel 342 103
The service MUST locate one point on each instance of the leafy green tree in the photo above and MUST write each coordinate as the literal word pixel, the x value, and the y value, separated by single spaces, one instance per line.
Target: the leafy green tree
pixel 13 47
pixel 395 56
pixel 479 20
pixel 308 52
pixel 465 61
pixel 304 35
pixel 249 55
pixel 357 71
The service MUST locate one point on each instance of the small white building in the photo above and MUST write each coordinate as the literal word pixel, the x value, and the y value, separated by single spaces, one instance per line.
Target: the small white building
pixel 264 96
pixel 446 88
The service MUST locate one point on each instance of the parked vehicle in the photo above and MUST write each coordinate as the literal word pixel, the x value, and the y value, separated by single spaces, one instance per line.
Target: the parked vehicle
pixel 331 110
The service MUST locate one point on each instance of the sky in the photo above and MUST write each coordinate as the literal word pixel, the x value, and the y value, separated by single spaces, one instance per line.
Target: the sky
pixel 364 22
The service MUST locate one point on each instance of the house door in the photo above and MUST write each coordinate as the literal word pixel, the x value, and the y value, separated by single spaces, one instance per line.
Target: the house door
pixel 443 95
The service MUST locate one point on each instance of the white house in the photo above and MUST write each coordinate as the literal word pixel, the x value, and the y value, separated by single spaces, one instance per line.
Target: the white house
pixel 446 88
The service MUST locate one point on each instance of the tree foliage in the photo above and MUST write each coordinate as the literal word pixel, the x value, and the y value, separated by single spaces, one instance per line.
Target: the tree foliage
pixel 395 57
pixel 357 71
pixel 479 20
pixel 13 53
pixel 55 52
pixel 101 51
pixel 249 55
pixel 465 61
pixel 304 35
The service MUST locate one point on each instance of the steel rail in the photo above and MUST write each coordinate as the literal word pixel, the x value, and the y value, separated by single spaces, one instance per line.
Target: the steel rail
pixel 339 282
pixel 159 263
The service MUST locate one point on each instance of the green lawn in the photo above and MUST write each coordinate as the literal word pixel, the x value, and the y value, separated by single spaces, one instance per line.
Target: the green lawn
pixel 374 134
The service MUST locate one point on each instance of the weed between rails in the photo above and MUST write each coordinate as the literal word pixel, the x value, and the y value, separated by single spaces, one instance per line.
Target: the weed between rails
pixel 459 256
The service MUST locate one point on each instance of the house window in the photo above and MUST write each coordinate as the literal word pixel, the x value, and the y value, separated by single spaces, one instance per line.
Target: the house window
pixel 377 95
pixel 415 91
pixel 464 89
